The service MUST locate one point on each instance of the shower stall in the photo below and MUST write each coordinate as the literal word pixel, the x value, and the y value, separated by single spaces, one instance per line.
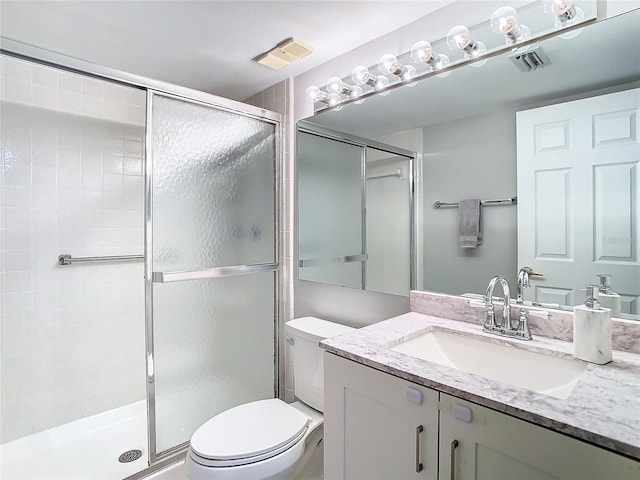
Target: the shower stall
pixel 139 261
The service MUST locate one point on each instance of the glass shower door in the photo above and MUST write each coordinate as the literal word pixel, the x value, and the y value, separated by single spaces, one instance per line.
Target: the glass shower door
pixel 211 265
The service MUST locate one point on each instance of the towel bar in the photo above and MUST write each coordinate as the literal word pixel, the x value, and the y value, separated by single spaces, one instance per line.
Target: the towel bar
pixel 485 203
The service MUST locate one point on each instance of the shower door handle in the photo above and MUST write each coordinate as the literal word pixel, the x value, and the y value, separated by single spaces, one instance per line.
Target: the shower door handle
pixel 317 262
pixel 214 272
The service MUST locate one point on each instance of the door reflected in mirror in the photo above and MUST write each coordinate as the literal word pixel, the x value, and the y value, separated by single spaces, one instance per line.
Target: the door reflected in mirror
pixel 497 132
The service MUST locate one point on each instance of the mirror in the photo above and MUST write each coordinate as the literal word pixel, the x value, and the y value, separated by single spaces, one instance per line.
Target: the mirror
pixel 355 191
pixel 465 130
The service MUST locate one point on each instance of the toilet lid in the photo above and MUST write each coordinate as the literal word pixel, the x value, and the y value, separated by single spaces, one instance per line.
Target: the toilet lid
pixel 249 430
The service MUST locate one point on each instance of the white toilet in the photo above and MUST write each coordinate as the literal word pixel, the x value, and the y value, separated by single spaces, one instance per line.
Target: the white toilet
pixel 270 439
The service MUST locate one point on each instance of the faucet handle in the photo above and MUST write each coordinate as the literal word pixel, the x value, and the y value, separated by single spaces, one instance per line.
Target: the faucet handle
pixel 487 304
pixel 523 331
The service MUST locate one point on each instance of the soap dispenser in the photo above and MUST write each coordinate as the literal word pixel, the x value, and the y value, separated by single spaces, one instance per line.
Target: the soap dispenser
pixel 608 298
pixel 592 330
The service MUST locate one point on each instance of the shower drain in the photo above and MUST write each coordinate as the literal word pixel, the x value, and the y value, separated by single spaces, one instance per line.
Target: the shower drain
pixel 130 456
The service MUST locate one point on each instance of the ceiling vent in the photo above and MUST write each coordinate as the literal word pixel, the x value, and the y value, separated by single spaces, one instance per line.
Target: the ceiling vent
pixel 530 60
pixel 284 53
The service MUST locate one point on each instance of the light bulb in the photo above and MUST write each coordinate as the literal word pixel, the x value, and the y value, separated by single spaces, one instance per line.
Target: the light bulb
pixel 380 83
pixel 442 61
pixel 478 50
pixel 409 74
pixel 336 85
pixel 525 33
pixel 333 99
pixel 362 76
pixel 388 63
pixel 315 94
pixel 356 91
pixel 459 38
pixel 421 52
pixel 566 14
pixel 558 7
pixel 505 21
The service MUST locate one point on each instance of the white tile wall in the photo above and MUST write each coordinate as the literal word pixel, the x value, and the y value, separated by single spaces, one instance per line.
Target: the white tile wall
pixel 72 158
pixel 279 98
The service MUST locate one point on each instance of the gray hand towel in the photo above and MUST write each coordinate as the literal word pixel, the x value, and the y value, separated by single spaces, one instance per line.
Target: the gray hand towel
pixel 470 223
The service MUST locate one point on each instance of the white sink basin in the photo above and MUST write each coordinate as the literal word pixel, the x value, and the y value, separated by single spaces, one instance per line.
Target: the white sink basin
pixel 554 376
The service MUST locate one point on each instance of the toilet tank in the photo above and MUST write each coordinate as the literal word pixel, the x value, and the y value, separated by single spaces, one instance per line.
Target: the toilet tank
pixel 307 356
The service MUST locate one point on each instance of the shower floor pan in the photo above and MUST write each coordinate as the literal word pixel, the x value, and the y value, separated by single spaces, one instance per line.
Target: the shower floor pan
pixel 86 448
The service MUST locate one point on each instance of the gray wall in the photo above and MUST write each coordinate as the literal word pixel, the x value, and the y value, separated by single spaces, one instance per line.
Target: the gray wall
pixel 473 157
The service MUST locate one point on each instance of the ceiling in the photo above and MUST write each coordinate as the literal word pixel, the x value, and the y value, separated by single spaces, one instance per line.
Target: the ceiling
pixel 205 45
pixel 602 55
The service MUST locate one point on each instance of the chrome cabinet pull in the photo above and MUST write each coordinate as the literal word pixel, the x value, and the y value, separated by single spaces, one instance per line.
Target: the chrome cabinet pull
pixel 419 430
pixel 454 445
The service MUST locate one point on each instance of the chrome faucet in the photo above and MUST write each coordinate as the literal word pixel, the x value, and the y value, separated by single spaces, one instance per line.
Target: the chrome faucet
pixel 505 328
pixel 490 324
pixel 523 281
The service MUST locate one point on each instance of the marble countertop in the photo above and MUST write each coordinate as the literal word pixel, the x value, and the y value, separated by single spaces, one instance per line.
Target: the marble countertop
pixel 603 408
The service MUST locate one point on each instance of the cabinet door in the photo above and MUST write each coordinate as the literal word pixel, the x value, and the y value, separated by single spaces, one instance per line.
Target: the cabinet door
pixel 377 426
pixel 494 446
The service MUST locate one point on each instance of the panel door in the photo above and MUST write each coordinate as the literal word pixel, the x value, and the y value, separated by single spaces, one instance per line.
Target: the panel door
pixel 579 195
pixel 377 426
pixel 494 446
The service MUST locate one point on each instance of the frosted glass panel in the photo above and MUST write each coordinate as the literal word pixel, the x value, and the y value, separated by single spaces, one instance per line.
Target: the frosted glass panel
pixel 213 205
pixel 330 209
pixel 388 222
pixel 214 349
pixel 213 187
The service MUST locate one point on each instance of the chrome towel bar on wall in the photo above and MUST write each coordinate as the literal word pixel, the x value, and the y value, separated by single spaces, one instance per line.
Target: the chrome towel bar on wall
pixel 67 259
pixel 484 203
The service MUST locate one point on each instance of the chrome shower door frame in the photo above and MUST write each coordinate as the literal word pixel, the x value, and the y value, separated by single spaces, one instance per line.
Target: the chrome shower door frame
pixel 152 277
pixel 151 86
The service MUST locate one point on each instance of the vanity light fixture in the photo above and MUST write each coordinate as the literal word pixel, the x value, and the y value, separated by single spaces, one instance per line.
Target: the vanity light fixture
pixel 336 85
pixel 317 95
pixel 422 52
pixel 566 14
pixel 459 38
pixel 388 63
pixel 505 21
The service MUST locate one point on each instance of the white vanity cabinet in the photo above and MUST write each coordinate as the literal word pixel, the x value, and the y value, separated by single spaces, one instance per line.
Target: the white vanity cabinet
pixel 484 444
pixel 377 426
pixel 371 424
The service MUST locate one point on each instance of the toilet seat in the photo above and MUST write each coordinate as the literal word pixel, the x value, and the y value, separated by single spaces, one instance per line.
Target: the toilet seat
pixel 248 433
